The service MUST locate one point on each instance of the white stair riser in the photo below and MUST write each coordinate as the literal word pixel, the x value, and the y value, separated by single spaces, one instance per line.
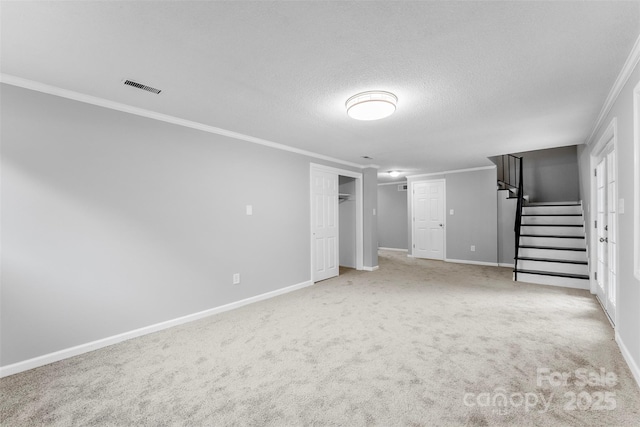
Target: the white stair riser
pixel 554 281
pixel 532 210
pixel 554 267
pixel 560 231
pixel 552 220
pixel 552 241
pixel 553 254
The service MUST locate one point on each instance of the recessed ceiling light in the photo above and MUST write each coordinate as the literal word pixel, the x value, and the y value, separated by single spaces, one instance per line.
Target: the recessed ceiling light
pixel 394 174
pixel 372 105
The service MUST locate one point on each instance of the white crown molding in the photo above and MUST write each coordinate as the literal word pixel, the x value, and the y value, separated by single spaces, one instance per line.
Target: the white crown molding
pixel 452 171
pixel 337 171
pixel 101 102
pixel 115 339
pixel 393 183
pixel 623 77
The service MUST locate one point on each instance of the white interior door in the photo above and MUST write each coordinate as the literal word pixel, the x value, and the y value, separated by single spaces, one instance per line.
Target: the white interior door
pixel 611 239
pixel 606 232
pixel 428 219
pixel 601 230
pixel 325 220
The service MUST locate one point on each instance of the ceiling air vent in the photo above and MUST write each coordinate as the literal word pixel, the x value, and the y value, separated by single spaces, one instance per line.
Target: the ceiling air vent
pixel 143 87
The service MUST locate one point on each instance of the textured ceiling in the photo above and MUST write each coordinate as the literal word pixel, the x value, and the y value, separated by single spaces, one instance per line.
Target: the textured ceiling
pixel 474 79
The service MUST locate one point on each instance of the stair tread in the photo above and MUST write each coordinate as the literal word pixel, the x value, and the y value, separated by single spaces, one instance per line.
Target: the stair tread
pixel 556 248
pixel 562 261
pixel 551 273
pixel 554 236
pixel 537 205
pixel 554 214
pixel 553 225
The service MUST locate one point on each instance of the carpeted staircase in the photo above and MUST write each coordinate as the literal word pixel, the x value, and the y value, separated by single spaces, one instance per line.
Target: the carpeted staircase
pixel 552 248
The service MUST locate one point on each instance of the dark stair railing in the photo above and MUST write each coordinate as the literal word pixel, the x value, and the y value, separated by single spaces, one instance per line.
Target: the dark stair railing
pixel 508 172
pixel 519 207
pixel 510 178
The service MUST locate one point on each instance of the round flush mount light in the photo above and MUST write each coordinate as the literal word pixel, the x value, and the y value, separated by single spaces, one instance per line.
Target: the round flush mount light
pixel 394 174
pixel 372 105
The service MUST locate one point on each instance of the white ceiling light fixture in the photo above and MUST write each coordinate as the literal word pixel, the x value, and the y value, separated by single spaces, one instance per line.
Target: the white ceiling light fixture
pixel 371 105
pixel 394 174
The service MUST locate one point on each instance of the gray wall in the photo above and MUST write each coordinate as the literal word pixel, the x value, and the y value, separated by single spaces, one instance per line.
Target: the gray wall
pixel 628 315
pixel 392 217
pixel 113 222
pixel 370 221
pixel 473 197
pixel 347 211
pixel 551 175
pixel 506 234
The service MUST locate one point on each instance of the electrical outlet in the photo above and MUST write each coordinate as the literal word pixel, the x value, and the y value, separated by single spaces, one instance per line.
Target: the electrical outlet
pixel 236 278
pixel 473 248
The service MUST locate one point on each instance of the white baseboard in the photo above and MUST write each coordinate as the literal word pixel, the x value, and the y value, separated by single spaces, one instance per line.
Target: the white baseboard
pixel 628 358
pixel 464 261
pixel 374 268
pixel 104 342
pixel 393 249
pixel 506 264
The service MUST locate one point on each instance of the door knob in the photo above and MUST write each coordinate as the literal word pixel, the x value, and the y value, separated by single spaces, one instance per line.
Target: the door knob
pixel 440 225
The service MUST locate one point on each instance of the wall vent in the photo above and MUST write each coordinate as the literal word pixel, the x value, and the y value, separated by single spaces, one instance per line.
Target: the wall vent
pixel 402 187
pixel 141 86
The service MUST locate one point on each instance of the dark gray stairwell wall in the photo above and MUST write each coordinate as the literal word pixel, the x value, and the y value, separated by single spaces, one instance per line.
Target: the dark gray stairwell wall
pixel 551 175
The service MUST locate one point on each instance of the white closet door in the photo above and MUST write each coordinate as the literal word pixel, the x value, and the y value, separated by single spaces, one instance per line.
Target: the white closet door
pixel 324 187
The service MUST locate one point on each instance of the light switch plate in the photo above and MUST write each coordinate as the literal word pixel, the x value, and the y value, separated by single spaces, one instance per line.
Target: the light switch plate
pixel 249 210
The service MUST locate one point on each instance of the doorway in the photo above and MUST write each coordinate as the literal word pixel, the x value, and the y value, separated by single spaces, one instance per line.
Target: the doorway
pixel 347 221
pixel 325 219
pixel 604 205
pixel 428 219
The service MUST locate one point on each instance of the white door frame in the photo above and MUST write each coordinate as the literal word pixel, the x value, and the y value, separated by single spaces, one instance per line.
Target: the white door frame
pixel 609 136
pixel 359 211
pixel 444 236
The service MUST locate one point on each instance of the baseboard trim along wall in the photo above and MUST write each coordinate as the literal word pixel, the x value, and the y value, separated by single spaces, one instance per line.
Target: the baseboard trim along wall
pixel 506 264
pixel 374 268
pixel 633 367
pixel 394 249
pixel 464 261
pixel 105 342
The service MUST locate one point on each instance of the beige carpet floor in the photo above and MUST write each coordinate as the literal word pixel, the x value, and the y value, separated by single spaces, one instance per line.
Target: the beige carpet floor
pixel 415 343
